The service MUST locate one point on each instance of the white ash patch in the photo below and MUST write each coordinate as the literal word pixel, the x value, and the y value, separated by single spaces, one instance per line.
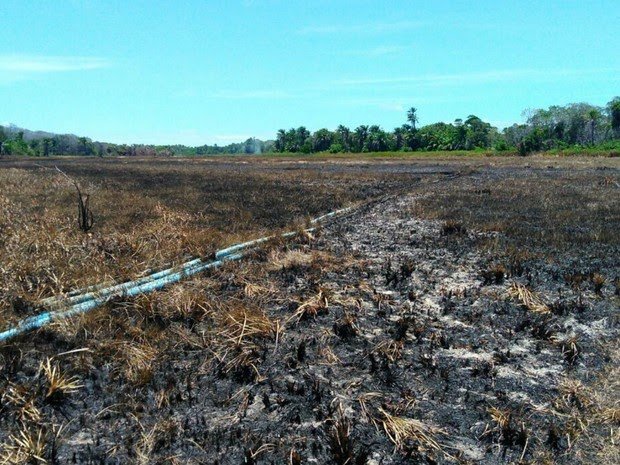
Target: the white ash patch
pixel 467 354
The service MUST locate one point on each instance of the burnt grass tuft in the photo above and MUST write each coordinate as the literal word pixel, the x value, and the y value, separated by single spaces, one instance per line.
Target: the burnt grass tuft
pixel 466 313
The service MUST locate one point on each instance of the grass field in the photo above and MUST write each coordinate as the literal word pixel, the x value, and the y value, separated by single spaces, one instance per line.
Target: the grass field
pixel 465 313
pixel 151 213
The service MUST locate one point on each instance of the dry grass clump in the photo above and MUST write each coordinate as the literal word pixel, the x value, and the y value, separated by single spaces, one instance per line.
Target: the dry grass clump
pixel 252 290
pixel 316 305
pixel 239 332
pixel 500 417
pixel 573 393
pixel 528 299
pixel 59 385
pixel 27 447
pixel 297 260
pixel 390 349
pixel 145 446
pixel 23 401
pixel 290 259
pixel 606 394
pixel 186 301
pixel 588 416
pixel 609 415
pixel 403 431
pixel 240 324
pixel 135 360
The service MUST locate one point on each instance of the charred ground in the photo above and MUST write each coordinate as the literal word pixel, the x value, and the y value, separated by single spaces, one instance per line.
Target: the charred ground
pixel 465 312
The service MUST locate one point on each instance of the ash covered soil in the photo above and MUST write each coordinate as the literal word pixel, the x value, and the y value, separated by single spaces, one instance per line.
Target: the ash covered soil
pixel 383 338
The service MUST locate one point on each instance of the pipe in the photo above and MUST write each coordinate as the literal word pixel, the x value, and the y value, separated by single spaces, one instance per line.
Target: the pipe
pixel 76 304
pixel 244 245
pixel 43 319
pixel 75 297
pixel 100 290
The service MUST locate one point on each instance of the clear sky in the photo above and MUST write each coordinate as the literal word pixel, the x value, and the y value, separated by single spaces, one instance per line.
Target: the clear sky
pixel 201 71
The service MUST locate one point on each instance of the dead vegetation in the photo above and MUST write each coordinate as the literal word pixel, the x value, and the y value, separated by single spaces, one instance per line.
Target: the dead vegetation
pixel 237 344
pixel 377 340
pixel 529 299
pixel 312 307
pixel 189 211
pixel 58 384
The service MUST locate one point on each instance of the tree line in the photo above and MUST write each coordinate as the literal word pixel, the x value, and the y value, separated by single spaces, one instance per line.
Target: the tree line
pixel 575 125
pixel 558 127
pixel 22 142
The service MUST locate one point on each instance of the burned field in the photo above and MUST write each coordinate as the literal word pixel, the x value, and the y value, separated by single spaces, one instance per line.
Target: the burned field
pixel 465 311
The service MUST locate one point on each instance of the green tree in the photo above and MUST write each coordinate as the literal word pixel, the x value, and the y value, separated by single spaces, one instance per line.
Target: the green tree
pixel 16 146
pixel 303 140
pixel 344 137
pixel 377 139
pixel 477 133
pixel 594 115
pixel 85 146
pixel 460 135
pixel 359 137
pixel 3 138
pixel 280 144
pixel 400 135
pixel 613 108
pixel 438 136
pixel 322 140
pixel 47 146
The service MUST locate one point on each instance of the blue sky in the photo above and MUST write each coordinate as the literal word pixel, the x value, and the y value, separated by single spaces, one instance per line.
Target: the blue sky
pixel 198 72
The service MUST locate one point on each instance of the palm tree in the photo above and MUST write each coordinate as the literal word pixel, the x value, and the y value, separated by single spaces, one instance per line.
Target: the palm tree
pixel 412 117
pixel 399 138
pixel 345 137
pixel 280 144
pixel 361 134
pixel 377 139
pixel 322 140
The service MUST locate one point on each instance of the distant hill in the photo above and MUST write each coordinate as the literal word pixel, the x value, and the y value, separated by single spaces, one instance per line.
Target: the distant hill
pixel 32 135
pixel 15 140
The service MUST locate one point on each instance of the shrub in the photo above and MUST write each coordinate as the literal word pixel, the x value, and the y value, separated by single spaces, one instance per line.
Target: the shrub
pixel 336 148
